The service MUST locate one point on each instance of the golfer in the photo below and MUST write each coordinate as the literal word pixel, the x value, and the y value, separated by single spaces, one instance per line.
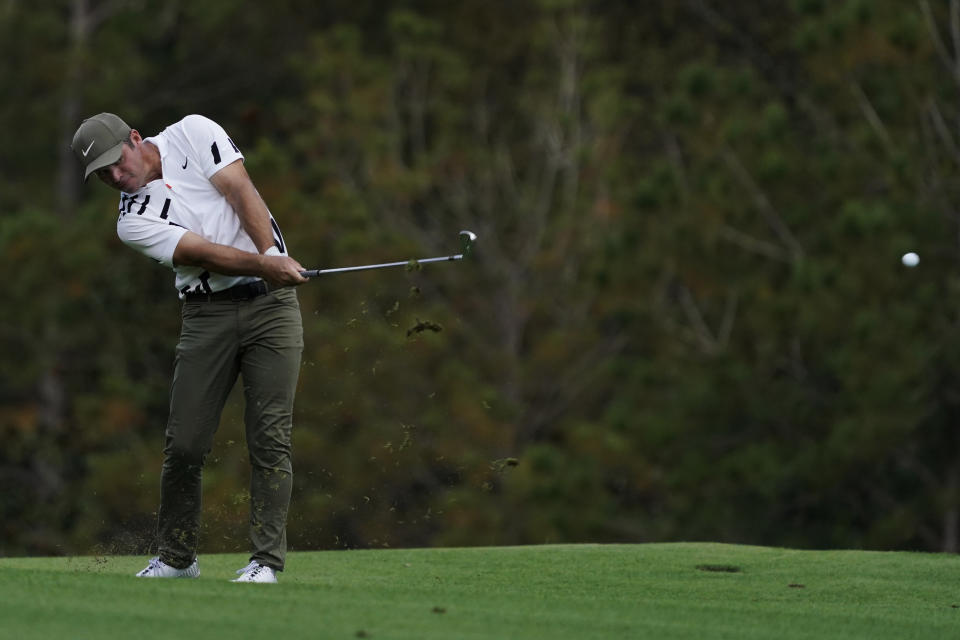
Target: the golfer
pixel 187 202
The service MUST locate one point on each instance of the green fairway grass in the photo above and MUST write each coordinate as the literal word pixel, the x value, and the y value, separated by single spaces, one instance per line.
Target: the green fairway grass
pixel 549 592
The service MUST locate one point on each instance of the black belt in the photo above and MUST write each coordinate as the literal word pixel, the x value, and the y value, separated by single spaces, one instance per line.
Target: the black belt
pixel 246 291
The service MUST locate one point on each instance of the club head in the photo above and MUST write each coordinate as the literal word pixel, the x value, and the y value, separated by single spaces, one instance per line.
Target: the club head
pixel 467 238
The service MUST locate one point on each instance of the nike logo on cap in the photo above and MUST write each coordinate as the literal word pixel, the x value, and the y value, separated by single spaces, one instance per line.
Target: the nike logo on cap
pixel 87 150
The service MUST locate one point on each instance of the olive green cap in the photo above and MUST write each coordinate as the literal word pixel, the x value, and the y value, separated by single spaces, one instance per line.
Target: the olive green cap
pixel 98 142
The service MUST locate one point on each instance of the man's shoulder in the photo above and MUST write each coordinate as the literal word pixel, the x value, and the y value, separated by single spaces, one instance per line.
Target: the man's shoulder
pixel 145 199
pixel 193 123
pixel 193 131
pixel 195 119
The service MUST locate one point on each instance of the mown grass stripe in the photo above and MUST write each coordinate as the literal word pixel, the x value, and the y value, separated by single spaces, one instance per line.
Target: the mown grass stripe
pixel 556 592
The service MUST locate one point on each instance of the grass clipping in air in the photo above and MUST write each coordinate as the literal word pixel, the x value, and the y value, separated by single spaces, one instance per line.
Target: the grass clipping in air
pixel 550 592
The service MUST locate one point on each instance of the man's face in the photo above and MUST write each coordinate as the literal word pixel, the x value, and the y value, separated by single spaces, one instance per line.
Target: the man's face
pixel 129 173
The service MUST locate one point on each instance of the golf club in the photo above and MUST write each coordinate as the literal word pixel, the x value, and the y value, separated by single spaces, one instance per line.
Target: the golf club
pixel 467 239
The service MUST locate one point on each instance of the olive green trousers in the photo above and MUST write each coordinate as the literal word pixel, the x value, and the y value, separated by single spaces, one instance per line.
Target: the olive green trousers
pixel 261 341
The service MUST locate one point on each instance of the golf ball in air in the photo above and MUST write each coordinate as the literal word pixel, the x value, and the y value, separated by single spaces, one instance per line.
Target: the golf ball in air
pixel 910 259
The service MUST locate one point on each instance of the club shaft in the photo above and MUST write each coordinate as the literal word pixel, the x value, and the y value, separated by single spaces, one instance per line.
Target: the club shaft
pixel 313 273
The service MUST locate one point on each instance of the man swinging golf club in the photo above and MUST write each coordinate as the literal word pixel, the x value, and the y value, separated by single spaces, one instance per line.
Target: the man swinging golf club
pixel 187 202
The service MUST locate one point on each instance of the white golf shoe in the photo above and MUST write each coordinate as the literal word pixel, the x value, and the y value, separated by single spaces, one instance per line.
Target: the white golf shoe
pixel 256 572
pixel 160 569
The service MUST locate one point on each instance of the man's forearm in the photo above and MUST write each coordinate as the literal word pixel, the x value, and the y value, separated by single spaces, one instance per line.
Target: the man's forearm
pixel 193 250
pixel 232 262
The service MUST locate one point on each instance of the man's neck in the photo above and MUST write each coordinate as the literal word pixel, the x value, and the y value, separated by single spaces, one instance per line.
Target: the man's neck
pixel 152 155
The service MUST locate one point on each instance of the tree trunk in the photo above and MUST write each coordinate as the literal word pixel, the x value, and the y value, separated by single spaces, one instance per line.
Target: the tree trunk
pixel 68 171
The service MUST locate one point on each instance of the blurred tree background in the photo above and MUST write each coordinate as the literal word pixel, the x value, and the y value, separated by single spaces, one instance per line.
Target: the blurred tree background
pixel 686 319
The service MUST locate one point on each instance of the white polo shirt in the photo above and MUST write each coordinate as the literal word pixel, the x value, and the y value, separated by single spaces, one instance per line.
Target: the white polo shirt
pixel 154 218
